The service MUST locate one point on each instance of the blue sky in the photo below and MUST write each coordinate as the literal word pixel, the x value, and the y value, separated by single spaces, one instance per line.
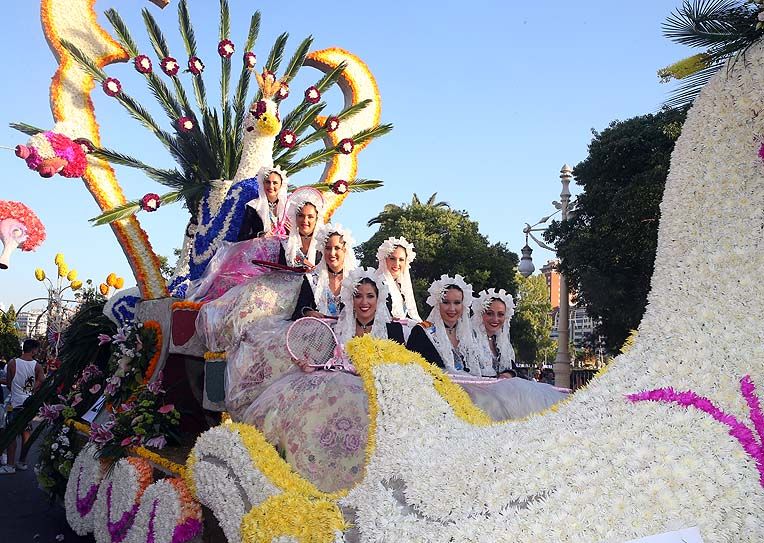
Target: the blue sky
pixel 488 99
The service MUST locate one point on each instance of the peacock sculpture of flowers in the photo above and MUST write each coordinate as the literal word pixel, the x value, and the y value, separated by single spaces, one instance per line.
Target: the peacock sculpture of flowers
pixel 211 144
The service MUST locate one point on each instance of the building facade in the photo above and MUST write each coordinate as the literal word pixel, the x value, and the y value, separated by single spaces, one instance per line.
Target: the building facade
pixel 32 323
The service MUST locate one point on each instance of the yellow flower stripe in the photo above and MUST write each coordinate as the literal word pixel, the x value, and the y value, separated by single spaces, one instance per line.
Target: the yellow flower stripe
pixel 267 460
pixel 308 521
pixel 186 305
pixel 73 111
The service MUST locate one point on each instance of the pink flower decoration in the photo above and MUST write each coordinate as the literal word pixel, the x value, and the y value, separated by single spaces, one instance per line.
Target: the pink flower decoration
pixel 340 186
pixel 283 91
pixel 111 86
pixel 103 339
pixel 77 399
pixel 226 48
pixel 35 229
pixel 50 412
pixel 169 66
pixel 332 124
pixel 287 139
pixel 250 59
pixel 346 146
pixel 185 124
pixel 127 441
pixel 150 202
pixel 95 388
pixel 195 65
pixel 312 95
pixel 142 64
pixel 166 408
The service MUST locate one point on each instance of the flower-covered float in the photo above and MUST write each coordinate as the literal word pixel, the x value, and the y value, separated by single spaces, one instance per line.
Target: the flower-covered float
pixel 670 437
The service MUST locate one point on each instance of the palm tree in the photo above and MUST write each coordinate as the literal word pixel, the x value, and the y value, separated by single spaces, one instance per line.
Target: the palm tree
pixel 393 212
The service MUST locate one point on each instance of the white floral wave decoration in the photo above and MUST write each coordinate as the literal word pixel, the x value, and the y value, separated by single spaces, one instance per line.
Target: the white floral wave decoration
pixel 126 505
pixel 613 469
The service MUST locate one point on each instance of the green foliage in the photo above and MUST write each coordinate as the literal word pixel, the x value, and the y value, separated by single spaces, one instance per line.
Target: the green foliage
pixel 607 249
pixel 79 348
pixel 532 322
pixel 10 346
pixel 724 29
pixel 446 241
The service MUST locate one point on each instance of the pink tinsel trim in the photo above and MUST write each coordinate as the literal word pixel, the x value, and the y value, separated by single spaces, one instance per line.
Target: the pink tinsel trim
pixel 737 429
pixel 20 212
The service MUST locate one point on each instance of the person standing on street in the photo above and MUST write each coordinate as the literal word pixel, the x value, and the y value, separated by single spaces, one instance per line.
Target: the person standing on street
pixel 24 377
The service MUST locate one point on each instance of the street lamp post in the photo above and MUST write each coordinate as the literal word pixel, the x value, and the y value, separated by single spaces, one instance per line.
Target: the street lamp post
pixel 526 268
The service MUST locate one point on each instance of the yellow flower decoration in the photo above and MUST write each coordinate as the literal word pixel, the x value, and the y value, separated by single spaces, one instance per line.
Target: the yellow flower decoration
pixel 72 275
pixel 119 282
pixel 307 520
pixel 111 279
pixel 59 259
pixel 63 270
pixel 39 274
pixel 103 288
pixel 76 285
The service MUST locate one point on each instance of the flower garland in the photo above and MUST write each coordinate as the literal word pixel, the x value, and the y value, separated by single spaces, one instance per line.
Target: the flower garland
pixel 186 305
pixel 127 505
pixel 214 356
pixel 154 361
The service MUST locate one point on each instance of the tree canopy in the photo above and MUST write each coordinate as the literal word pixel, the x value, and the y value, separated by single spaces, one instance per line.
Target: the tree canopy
pixel 9 339
pixel 607 249
pixel 446 241
pixel 532 323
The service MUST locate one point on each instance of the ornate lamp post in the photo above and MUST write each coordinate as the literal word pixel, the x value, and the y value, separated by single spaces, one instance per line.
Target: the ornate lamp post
pixel 526 268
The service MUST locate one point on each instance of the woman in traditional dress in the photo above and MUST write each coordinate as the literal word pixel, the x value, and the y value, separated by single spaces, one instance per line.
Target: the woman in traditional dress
pixel 234 263
pixel 447 340
pixel 394 258
pixel 320 294
pixel 305 209
pixel 492 311
pixel 319 419
pixel 262 214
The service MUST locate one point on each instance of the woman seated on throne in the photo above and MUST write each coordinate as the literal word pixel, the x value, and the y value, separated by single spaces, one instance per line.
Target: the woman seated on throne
pixel 290 242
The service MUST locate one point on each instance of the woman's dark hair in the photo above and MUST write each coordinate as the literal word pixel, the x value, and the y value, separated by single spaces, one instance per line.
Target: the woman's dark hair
pixel 454 287
pixel 370 281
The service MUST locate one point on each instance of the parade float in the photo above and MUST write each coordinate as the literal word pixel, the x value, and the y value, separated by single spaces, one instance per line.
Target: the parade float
pixel 670 437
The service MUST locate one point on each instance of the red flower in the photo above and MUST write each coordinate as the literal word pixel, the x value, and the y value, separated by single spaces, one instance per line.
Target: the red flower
pixel 195 65
pixel 312 95
pixel 340 186
pixel 346 146
pixel 226 48
pixel 111 86
pixel 169 66
pixel 150 202
pixel 142 64
pixel 283 91
pixel 250 59
pixel 185 124
pixel 332 124
pixel 259 109
pixel 287 139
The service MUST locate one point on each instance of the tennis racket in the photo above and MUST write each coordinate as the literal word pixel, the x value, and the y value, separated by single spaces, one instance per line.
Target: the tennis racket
pixel 313 340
